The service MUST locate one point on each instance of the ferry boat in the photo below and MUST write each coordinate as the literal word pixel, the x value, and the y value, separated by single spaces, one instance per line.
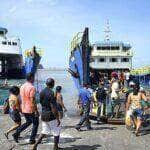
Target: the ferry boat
pixel 101 57
pixel 108 56
pixel 11 59
pixel 12 65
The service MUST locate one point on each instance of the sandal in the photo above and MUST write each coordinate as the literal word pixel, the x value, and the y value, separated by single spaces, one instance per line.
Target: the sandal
pixel 6 135
pixel 137 133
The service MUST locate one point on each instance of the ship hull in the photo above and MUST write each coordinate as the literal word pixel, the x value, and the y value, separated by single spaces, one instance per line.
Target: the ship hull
pixel 11 66
pixel 79 62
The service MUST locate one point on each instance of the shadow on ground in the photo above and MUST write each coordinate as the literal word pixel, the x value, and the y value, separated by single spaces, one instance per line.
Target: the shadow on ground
pixel 82 147
pixel 49 139
pixel 94 128
pixel 105 128
pixel 68 127
pixel 145 132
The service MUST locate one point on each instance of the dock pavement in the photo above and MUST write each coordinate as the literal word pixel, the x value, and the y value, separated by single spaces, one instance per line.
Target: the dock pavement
pixel 102 137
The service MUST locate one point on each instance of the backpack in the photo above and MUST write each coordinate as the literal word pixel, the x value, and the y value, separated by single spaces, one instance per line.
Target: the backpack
pixel 6 106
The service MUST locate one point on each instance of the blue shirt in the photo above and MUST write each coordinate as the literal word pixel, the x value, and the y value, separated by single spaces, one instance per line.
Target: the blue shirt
pixel 84 95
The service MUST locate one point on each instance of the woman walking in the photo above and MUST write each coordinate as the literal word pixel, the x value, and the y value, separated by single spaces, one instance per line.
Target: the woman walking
pixel 14 109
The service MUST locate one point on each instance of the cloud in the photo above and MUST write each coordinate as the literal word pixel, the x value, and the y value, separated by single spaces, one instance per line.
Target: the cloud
pixel 29 1
pixel 13 9
pixel 50 2
pixel 53 2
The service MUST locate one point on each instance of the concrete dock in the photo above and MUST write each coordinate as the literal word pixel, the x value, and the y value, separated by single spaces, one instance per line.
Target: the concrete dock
pixel 102 137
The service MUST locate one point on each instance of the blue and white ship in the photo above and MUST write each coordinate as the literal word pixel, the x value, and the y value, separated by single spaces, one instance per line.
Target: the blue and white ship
pixel 80 58
pixel 100 57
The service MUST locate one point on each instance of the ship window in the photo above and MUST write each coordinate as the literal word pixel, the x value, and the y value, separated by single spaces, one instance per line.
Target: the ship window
pixel 4 42
pixel 102 60
pixel 99 48
pixel 113 60
pixel 126 48
pixel 91 59
pixel 114 47
pixel 104 48
pixel 125 60
pixel 9 43
pixel 14 43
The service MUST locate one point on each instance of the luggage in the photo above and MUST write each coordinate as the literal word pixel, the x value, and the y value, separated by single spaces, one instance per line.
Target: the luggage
pixel 128 122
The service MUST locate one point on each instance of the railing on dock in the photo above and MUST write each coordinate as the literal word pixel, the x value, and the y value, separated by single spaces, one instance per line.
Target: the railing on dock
pixel 143 76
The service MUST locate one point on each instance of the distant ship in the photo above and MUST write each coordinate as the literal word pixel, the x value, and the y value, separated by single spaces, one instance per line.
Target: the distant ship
pixel 12 65
pixel 11 59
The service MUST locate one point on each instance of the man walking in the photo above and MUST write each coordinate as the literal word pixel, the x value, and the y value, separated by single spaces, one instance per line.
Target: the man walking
pixel 85 98
pixel 101 99
pixel 29 109
pixel 49 116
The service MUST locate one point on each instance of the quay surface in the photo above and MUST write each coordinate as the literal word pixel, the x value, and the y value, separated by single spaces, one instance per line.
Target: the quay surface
pixel 102 137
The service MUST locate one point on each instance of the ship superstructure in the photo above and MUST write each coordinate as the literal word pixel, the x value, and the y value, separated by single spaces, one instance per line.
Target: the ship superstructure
pixel 110 55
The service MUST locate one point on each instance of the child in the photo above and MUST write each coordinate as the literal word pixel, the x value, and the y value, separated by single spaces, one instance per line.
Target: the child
pixel 59 100
pixel 14 106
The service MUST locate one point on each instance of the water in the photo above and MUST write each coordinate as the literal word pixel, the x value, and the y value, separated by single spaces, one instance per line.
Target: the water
pixel 61 78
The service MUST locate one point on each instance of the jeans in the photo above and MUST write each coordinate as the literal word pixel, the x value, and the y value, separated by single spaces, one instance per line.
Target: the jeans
pixel 115 103
pixel 101 109
pixel 85 116
pixel 30 119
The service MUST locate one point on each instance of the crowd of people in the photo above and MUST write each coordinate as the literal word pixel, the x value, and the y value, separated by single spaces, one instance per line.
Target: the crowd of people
pixel 119 88
pixel 22 101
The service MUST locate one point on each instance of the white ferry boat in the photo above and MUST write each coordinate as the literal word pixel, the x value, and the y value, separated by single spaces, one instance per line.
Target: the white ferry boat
pixel 11 59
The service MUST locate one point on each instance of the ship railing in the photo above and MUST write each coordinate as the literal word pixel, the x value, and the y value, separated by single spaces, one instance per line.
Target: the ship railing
pixel 141 71
pixel 76 40
pixel 112 53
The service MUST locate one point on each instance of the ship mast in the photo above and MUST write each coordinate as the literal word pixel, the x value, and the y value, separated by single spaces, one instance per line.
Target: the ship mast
pixel 107 31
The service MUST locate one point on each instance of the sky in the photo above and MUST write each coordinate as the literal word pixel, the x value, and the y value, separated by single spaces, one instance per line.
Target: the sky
pixel 51 25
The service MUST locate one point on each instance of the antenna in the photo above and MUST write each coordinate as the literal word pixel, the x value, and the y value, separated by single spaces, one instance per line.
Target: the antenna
pixel 107 31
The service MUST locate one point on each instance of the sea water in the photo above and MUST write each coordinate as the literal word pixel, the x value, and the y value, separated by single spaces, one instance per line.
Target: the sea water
pixel 61 78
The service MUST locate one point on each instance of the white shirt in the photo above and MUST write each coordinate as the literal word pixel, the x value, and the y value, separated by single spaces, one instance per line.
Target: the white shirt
pixel 114 89
pixel 127 75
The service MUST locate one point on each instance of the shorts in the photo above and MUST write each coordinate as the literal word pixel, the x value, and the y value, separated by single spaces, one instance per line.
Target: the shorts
pixel 115 102
pixel 51 127
pixel 138 113
pixel 59 108
pixel 61 114
pixel 15 116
